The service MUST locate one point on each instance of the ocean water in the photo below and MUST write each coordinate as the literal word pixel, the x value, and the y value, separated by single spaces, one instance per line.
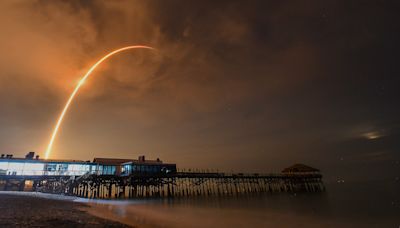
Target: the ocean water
pixel 363 204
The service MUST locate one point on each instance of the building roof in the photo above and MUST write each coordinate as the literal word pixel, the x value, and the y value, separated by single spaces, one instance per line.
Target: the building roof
pixel 147 162
pixel 118 161
pixel 101 161
pixel 299 168
pixel 111 161
pixel 13 159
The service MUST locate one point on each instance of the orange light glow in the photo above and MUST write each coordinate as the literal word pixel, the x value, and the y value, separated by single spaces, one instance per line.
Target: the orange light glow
pixel 71 98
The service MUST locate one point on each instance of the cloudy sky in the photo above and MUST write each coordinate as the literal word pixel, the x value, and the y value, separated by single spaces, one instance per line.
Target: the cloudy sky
pixel 235 85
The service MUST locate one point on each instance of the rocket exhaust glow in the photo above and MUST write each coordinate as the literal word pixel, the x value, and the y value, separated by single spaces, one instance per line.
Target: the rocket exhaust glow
pixel 73 94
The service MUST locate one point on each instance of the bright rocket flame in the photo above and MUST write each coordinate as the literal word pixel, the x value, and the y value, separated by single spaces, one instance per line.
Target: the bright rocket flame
pixel 71 98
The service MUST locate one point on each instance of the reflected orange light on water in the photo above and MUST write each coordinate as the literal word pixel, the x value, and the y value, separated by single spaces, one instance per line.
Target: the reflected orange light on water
pixel 80 83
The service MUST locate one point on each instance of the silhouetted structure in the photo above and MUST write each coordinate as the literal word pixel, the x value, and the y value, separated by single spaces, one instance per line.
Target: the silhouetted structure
pixel 130 178
pixel 300 169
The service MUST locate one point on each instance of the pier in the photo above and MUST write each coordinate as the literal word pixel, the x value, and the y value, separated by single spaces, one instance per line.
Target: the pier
pixel 191 185
pixel 181 184
pixel 126 178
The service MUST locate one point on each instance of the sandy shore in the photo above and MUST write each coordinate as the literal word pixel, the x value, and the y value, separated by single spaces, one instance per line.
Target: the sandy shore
pixel 35 210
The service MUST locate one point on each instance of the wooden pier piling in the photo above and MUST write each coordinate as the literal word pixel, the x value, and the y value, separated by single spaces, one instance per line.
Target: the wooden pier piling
pixel 182 184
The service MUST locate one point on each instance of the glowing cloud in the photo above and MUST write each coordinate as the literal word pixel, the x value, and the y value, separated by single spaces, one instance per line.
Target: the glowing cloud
pixel 373 135
pixel 71 98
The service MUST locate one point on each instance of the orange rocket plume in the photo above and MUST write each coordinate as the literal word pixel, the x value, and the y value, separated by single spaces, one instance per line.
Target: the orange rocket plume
pixel 73 94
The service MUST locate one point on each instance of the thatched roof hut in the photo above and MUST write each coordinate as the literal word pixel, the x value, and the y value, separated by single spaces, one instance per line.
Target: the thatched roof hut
pixel 300 169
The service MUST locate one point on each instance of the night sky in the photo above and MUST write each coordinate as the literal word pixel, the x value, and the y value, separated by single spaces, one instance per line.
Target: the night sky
pixel 249 86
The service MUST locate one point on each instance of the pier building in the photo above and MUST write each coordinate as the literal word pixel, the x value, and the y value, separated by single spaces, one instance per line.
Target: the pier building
pixel 33 166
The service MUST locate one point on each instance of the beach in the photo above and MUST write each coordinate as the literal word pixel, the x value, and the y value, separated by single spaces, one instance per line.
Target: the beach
pixel 41 210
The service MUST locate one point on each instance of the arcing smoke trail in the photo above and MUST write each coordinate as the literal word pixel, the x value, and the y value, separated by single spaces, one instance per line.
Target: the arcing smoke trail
pixel 71 98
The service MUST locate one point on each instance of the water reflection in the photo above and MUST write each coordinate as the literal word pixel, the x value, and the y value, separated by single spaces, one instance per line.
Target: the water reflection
pixel 346 205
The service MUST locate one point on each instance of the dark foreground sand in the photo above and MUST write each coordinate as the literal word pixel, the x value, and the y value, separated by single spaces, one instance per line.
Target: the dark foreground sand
pixel 28 211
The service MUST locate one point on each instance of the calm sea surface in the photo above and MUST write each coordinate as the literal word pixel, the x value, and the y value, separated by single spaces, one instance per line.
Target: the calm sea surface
pixel 368 204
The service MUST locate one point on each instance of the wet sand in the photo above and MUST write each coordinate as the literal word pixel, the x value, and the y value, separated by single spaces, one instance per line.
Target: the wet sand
pixel 24 210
